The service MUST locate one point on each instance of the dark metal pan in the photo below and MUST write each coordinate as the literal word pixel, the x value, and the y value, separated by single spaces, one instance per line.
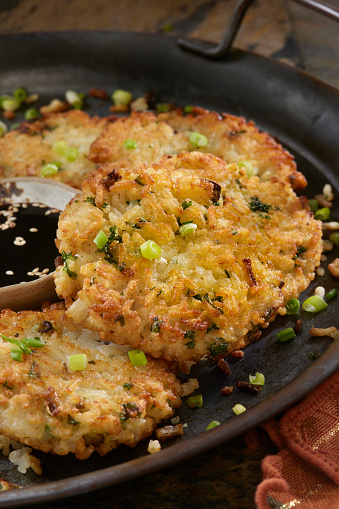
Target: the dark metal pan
pixel 301 111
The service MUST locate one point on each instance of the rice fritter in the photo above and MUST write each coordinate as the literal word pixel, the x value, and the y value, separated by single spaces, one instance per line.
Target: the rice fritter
pixel 183 258
pixel 46 405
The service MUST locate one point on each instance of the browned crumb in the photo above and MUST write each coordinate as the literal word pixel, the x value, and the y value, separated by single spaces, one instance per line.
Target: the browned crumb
pixel 332 332
pixel 169 432
pixel 98 93
pixel 334 268
pixel 224 367
pixel 298 326
pixel 238 353
pixel 225 391
pixel 247 387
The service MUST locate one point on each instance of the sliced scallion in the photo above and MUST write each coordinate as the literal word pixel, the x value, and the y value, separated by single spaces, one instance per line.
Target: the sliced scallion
pixel 20 94
pixel 292 307
pixel 3 128
pixel 49 170
pixel 322 214
pixel 130 144
pixel 77 362
pixel 150 250
pixel 186 203
pixel 186 229
pixel 16 355
pixel 33 342
pixel 257 379
pixel 249 167
pixel 122 97
pixel 313 204
pixel 101 239
pixel 74 99
pixel 195 401
pixel 62 149
pixel 213 424
pixel 332 294
pixel 238 409
pixel 31 114
pixel 286 335
pixel 334 238
pixel 198 140
pixel 314 304
pixel 137 357
pixel 10 104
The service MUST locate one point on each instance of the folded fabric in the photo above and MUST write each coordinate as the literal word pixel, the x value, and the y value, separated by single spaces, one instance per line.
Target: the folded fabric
pixel 305 472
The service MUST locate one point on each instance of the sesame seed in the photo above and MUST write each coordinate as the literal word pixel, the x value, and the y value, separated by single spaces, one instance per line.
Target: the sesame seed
pixel 30 274
pixel 48 212
pixel 24 205
pixel 320 271
pixel 9 273
pixel 5 226
pixel 35 270
pixel 19 242
pixel 35 204
pixel 33 230
pixel 45 271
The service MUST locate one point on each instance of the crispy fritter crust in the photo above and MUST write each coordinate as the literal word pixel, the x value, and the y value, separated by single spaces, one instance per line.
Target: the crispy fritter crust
pixel 254 248
pixel 24 152
pixel 230 138
pixel 46 406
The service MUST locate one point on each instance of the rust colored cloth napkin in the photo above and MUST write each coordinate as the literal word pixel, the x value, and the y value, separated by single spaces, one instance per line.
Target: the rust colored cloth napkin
pixel 305 472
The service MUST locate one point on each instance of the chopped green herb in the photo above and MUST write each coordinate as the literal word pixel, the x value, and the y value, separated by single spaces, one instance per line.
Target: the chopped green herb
pixel 66 258
pixel 190 344
pixel 218 349
pixel 227 274
pixel 71 420
pixel 186 203
pixel 128 385
pixel 129 410
pixel 138 181
pixel 314 355
pixel 7 386
pixel 256 205
pixel 313 204
pixel 120 319
pixel 91 200
pixel 32 373
pixel 155 327
pixel 213 327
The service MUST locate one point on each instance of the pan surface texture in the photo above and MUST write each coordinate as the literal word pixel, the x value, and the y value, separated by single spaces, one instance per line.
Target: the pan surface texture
pixel 302 113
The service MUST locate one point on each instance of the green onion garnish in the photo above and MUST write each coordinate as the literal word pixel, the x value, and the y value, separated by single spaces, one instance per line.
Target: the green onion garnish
pixel 49 170
pixel 188 109
pixel 16 355
pixel 213 424
pixel 77 362
pixel 238 409
pixel 11 104
pixel 137 357
pixel 31 114
pixel 331 294
pixel 122 97
pixel 162 107
pixel 74 99
pixel 129 144
pixel 17 343
pixel 248 167
pixel 186 229
pixel 20 94
pixel 198 140
pixel 33 342
pixel 3 128
pixel 101 239
pixel 313 204
pixel 334 238
pixel 195 401
pixel 286 335
pixel 314 304
pixel 257 379
pixel 292 307
pixel 322 214
pixel 150 250
pixel 62 149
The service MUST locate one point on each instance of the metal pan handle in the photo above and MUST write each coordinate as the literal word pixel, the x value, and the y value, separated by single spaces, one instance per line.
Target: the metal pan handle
pixel 238 14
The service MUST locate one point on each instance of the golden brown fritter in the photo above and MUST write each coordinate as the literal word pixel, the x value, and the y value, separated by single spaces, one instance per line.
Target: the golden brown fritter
pixel 233 250
pixel 45 405
pixel 228 137
pixel 26 151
